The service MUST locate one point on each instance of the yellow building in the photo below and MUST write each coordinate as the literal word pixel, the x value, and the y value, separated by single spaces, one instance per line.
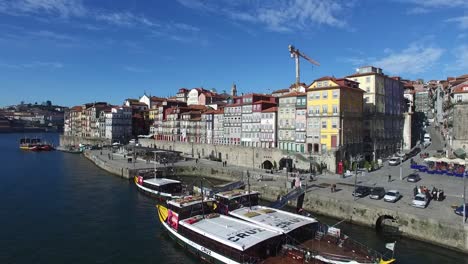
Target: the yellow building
pixel 334 116
pixel 153 113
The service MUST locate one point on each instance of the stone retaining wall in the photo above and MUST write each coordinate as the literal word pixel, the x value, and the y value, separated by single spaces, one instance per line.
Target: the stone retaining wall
pixel 75 141
pixel 241 156
pixel 119 171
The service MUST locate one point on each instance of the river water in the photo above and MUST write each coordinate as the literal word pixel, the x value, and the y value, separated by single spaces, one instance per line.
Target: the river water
pixel 59 208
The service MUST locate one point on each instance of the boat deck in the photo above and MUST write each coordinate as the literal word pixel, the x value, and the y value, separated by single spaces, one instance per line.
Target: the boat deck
pixel 328 248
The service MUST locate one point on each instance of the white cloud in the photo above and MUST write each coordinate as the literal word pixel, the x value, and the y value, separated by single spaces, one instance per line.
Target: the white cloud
pixel 417 11
pixel 415 59
pixel 125 19
pixel 277 15
pixel 136 69
pixel 63 8
pixel 462 21
pixel 34 64
pixel 440 3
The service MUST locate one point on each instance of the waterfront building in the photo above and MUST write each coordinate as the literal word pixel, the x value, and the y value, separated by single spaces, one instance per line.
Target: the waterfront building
pixel 232 122
pixel 160 119
pixel 218 127
pixel 287 121
pixel 119 124
pixel 90 116
pixel 383 111
pixel 250 119
pixel 190 126
pixel 301 122
pixel 268 131
pixel 334 117
pixel 75 121
pixel 257 108
pixel 182 95
pixel 207 127
pixel 170 128
pixel 67 123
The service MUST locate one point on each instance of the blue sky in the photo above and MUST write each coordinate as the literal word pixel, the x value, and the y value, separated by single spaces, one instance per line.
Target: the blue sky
pixel 77 51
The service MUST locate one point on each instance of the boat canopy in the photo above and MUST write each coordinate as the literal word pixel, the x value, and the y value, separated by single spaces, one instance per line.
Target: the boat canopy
pixel 160 181
pixel 229 231
pixel 235 194
pixel 277 220
pixel 188 201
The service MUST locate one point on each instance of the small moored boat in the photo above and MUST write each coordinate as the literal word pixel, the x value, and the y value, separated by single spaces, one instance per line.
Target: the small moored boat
pixel 161 188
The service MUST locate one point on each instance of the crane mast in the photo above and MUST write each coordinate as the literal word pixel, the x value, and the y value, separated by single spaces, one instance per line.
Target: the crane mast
pixel 295 53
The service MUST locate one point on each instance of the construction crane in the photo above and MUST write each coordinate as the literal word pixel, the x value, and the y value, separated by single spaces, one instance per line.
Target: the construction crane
pixel 295 53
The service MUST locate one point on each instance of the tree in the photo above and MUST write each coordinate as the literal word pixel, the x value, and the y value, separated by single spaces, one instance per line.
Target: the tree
pixel 48 103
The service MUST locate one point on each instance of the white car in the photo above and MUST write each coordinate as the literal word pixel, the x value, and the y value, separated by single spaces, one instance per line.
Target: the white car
pixel 420 201
pixel 392 196
pixel 394 161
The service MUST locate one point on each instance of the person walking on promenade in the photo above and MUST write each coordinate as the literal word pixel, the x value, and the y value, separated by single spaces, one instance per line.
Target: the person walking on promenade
pixel 389 178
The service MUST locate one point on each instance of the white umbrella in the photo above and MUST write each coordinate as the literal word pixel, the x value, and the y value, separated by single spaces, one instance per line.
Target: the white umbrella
pixel 444 160
pixel 431 159
pixel 458 161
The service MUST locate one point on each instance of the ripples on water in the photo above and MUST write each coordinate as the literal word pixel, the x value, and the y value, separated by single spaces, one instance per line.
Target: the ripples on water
pixel 59 208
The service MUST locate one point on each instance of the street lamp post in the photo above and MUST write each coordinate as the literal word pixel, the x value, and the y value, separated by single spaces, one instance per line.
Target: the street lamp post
pixel 356 159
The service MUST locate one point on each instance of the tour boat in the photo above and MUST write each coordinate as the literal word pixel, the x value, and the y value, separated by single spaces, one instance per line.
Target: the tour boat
pixel 161 188
pixel 34 144
pixel 307 239
pixel 216 238
pixel 30 144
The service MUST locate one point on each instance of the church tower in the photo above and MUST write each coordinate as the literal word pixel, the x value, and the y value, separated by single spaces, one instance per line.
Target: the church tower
pixel 234 90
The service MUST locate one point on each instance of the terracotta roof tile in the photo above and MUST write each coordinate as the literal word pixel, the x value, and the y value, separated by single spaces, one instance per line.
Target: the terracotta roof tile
pixel 271 110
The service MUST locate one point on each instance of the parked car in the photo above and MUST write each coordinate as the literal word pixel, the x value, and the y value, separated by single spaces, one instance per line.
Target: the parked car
pixel 361 191
pixel 413 177
pixel 394 161
pixel 377 193
pixel 459 210
pixel 392 196
pixel 420 201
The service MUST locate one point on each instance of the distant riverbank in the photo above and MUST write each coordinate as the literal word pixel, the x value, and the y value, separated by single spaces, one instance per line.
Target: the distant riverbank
pixel 9 130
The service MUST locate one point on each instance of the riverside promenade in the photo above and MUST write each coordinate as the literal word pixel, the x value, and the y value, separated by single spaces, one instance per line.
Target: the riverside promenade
pixel 436 224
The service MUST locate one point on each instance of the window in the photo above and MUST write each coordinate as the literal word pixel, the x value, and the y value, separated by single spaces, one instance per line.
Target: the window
pixel 335 94
pixel 317 109
pixel 317 95
pixel 459 98
pixel 335 109
pixel 366 99
pixel 324 136
pixel 325 94
pixel 319 84
pixel 334 124
pixel 324 109
pixel 324 124
pixel 367 79
pixel 367 89
pixel 316 123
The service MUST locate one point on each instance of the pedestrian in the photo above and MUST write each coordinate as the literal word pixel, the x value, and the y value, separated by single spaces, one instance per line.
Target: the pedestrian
pixel 389 178
pixel 293 183
pixel 415 190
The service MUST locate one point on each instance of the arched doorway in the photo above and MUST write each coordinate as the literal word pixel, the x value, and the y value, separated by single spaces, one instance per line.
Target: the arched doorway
pixel 267 165
pixel 286 162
